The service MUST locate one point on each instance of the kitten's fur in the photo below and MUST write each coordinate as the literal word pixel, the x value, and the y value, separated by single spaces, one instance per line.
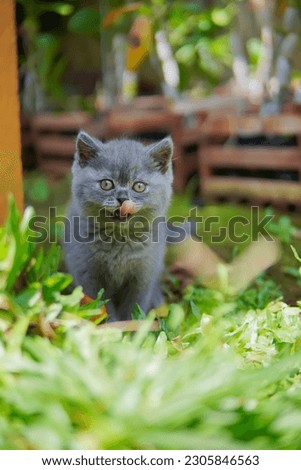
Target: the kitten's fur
pixel 128 270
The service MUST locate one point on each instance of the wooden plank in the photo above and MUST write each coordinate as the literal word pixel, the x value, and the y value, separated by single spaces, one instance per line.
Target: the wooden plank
pixel 151 102
pixel 282 124
pixel 130 325
pixel 252 188
pixel 288 158
pixel 58 122
pixel 10 140
pixel 212 103
pixel 136 121
pixel 55 145
pixel 56 167
pixel 220 126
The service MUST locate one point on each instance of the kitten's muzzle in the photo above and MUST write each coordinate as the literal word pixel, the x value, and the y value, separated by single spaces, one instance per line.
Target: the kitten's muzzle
pixel 121 200
pixel 126 209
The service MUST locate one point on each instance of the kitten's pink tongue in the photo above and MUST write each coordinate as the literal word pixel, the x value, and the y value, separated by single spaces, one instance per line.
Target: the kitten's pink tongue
pixel 127 208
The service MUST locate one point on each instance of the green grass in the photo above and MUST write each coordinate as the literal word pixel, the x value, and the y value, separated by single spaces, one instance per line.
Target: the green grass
pixel 223 372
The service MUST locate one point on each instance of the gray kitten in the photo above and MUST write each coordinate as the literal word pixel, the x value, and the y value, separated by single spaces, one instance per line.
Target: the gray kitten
pixel 105 250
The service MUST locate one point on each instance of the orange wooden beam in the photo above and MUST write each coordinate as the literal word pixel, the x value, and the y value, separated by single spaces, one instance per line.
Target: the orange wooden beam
pixel 10 141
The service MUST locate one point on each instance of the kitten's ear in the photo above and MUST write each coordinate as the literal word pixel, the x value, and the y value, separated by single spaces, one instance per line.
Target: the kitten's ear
pixel 86 148
pixel 161 154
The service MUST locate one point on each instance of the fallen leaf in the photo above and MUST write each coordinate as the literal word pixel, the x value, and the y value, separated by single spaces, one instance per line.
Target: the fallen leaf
pixel 113 15
pixel 130 325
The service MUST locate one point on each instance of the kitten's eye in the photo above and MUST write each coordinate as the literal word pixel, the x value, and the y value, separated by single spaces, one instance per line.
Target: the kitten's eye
pixel 139 187
pixel 106 185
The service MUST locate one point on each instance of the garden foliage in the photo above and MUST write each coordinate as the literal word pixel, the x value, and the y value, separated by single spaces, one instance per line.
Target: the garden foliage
pixel 223 372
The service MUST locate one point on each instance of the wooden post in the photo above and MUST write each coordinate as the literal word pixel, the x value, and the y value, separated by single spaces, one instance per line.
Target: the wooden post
pixel 10 142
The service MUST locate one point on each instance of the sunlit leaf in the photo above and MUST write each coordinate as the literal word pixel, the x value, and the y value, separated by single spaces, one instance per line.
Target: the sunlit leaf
pixel 63 9
pixel 185 54
pixel 220 17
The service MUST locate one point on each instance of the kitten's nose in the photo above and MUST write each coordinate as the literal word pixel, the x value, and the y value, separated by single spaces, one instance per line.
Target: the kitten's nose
pixel 122 199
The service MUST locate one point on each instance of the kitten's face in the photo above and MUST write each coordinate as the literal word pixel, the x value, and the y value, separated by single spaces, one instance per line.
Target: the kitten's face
pixel 106 174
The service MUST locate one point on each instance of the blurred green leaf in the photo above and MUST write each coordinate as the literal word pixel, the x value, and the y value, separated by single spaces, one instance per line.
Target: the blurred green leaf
pixel 186 54
pixel 39 190
pixel 63 9
pixel 85 21
pixel 282 227
pixel 220 17
pixel 53 284
pixel 254 48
